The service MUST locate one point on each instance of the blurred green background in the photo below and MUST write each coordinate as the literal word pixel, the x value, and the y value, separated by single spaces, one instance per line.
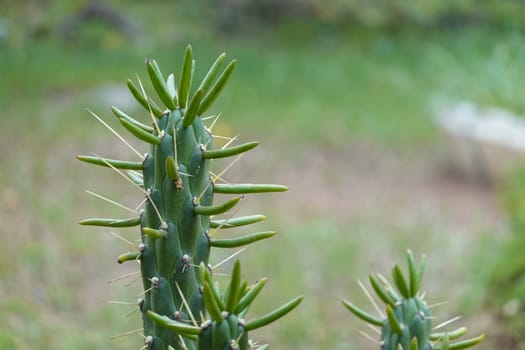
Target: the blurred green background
pixel 341 95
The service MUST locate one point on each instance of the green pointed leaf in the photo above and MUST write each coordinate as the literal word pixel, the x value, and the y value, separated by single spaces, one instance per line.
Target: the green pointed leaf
pixel 191 111
pixel 111 222
pixel 212 73
pixel 363 315
pixel 248 188
pixel 210 303
pixel 232 298
pixel 179 327
pixel 236 222
pixel 274 315
pixel 388 287
pixel 129 256
pixel 228 151
pixel 241 241
pixel 216 89
pixel 466 343
pixel 121 115
pixel 136 178
pixel 250 296
pixel 413 344
pixel 159 83
pixel 413 274
pixel 150 107
pixel 172 88
pixel 392 320
pixel 119 164
pixel 171 168
pixel 400 281
pixel 186 76
pixel 381 293
pixel 206 277
pixel 451 335
pixel 140 133
pixel 216 209
pixel 154 233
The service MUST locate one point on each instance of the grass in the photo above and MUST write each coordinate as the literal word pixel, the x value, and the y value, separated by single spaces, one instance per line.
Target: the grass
pixel 289 95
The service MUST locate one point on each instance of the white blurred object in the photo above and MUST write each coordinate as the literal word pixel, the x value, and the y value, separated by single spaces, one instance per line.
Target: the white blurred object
pixel 484 143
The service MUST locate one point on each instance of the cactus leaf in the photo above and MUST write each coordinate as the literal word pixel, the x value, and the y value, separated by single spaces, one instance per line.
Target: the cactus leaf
pixel 413 344
pixel 129 256
pixel 234 290
pixel 171 168
pixel 248 188
pixel 250 295
pixel 216 88
pixel 210 302
pixel 111 222
pixel 273 315
pixel 386 298
pixel 212 73
pixel 154 233
pixel 216 209
pixel 143 100
pixel 186 76
pixel 363 315
pixel 172 89
pixel 421 268
pixel 206 277
pixel 400 281
pixel 179 327
pixel 388 287
pixel 451 335
pixel 393 321
pixel 159 83
pixel 191 111
pixel 119 164
pixel 413 274
pixel 464 344
pixel 121 115
pixel 136 178
pixel 236 222
pixel 241 241
pixel 140 133
pixel 228 151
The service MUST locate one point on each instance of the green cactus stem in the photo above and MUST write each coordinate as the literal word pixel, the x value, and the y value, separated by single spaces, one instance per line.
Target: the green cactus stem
pixel 407 323
pixel 225 328
pixel 180 214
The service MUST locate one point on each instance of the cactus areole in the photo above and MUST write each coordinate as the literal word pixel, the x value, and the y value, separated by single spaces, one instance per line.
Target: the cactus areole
pixel 179 216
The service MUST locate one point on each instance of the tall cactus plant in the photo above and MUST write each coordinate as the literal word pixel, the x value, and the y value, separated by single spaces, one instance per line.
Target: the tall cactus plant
pixel 182 308
pixel 407 321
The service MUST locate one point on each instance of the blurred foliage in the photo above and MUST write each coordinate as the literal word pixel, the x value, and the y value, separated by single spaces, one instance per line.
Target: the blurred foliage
pixel 507 284
pixel 393 15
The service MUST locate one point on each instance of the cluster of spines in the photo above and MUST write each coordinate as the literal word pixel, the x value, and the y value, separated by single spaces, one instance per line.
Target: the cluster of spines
pixel 176 222
pixel 407 324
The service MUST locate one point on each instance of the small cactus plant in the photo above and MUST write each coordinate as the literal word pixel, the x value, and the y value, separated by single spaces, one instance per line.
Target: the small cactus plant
pixel 181 307
pixel 407 322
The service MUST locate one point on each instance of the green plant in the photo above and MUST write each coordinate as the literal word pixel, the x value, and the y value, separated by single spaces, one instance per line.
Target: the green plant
pixel 182 308
pixel 407 324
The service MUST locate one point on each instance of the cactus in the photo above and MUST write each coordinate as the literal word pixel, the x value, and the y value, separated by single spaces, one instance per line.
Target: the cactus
pixel 407 322
pixel 181 307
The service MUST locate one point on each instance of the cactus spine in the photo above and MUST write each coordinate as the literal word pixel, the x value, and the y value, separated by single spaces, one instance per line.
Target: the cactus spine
pixel 407 322
pixel 182 308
